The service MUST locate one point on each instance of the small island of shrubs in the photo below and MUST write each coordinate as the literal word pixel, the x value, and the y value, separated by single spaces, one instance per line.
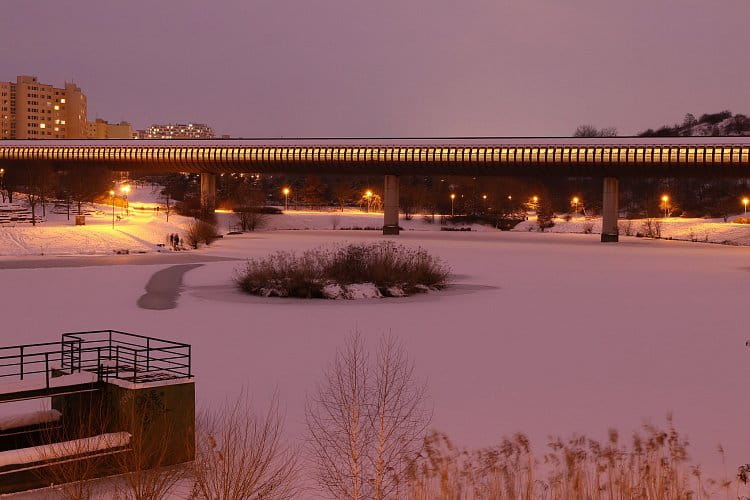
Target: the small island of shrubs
pixel 353 271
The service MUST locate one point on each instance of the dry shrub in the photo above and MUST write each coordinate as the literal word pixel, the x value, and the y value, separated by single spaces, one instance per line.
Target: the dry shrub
pixel 251 218
pixel 200 231
pixel 241 455
pixel 654 466
pixel 626 227
pixel 652 228
pixel 742 220
pixel 385 264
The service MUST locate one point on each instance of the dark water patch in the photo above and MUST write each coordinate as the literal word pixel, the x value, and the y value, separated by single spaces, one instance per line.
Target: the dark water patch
pixel 164 287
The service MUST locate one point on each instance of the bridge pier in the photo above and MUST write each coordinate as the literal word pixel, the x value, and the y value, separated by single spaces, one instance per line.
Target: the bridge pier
pixel 208 192
pixel 610 210
pixel 390 205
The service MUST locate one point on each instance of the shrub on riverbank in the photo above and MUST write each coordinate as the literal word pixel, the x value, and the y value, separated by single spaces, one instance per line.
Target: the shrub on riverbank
pixel 352 271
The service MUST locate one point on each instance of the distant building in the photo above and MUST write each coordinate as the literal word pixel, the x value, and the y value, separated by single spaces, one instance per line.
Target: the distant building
pixel 178 131
pixel 102 129
pixel 33 110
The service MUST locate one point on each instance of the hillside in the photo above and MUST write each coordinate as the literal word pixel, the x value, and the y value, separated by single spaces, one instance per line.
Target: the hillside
pixel 723 123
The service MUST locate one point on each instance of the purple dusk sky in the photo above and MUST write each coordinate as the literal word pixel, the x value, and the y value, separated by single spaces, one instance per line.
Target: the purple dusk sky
pixel 295 68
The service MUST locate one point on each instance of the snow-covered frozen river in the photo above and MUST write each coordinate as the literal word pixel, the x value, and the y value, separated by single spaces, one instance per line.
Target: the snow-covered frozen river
pixel 542 333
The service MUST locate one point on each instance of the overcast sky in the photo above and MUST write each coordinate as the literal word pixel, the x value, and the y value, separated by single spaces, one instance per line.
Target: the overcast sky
pixel 269 68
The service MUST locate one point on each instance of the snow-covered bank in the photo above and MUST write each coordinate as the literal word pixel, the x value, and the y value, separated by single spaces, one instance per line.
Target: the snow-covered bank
pixel 696 230
pixel 542 333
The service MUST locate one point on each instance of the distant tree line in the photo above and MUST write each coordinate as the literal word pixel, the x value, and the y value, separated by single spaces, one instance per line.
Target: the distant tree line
pixel 723 123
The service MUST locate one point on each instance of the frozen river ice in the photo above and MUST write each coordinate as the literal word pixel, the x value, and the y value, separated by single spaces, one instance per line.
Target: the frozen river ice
pixel 542 333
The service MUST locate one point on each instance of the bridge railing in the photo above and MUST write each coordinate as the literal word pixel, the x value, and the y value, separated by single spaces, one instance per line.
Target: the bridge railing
pixel 106 354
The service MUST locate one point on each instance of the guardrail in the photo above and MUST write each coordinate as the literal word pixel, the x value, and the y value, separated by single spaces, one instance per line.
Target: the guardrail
pixel 110 354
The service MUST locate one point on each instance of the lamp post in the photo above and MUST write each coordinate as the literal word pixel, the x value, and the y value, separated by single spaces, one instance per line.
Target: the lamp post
pixel 745 201
pixel 125 190
pixel 368 197
pixel 575 201
pixel 453 198
pixel 112 195
pixel 665 201
pixel 286 198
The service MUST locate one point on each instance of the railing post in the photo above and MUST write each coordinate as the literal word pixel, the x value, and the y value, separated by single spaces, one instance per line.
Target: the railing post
pixel 99 363
pixel 110 344
pixel 190 361
pixel 117 361
pixel 80 355
pixel 21 362
pixel 148 354
pixel 46 368
pixel 135 366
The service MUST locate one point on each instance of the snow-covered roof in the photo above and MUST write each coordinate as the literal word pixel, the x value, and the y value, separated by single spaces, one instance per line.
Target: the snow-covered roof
pixel 372 142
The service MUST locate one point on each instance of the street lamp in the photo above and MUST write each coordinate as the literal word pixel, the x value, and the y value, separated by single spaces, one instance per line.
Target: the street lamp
pixel 665 201
pixel 575 201
pixel 745 201
pixel 453 198
pixel 112 194
pixel 286 198
pixel 125 190
pixel 368 197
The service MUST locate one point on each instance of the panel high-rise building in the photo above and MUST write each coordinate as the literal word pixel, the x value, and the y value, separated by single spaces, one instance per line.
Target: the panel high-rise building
pixel 178 131
pixel 33 110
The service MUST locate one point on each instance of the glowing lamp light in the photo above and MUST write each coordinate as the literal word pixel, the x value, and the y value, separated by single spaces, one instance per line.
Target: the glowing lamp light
pixel 285 191
pixel 125 189
pixel 368 194
pixel 665 198
pixel 575 200
pixel 745 200
pixel 535 199
pixel 111 193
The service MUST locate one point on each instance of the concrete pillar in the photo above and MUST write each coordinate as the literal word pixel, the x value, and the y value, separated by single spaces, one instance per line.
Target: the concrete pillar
pixel 208 192
pixel 390 205
pixel 610 210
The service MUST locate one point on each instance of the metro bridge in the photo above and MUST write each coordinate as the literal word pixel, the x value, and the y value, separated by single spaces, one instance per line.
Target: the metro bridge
pixel 606 158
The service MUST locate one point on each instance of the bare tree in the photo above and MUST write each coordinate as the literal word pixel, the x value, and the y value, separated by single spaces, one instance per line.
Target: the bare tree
pixel 241 455
pixel 592 131
pixel 337 424
pixel 366 421
pixel 398 415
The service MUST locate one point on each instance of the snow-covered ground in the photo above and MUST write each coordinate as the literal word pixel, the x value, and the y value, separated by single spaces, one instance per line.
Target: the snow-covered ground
pixel 144 229
pixel 541 333
pixel 140 229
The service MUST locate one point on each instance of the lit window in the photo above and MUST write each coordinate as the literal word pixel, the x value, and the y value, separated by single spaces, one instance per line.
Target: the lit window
pixel 57 108
pixel 42 125
pixel 62 100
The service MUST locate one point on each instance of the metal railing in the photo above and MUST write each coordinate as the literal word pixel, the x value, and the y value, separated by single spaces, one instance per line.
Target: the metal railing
pixel 109 354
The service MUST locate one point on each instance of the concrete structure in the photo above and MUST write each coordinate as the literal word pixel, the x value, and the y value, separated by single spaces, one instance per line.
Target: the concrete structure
pixel 102 129
pixel 208 191
pixel 120 403
pixel 33 110
pixel 606 158
pixel 610 203
pixel 390 205
pixel 178 131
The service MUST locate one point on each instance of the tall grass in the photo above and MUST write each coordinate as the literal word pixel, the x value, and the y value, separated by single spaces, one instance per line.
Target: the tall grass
pixel 387 265
pixel 654 465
